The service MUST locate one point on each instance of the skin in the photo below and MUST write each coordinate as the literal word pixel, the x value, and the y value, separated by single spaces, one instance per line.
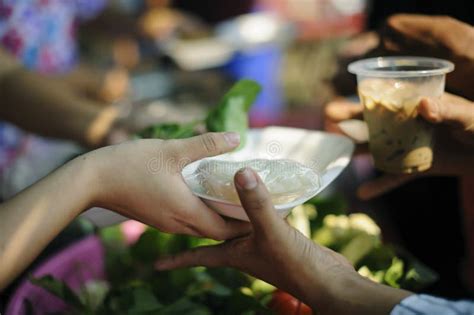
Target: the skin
pixel 453 117
pixel 437 36
pixel 415 35
pixel 52 107
pixel 140 179
pixel 281 255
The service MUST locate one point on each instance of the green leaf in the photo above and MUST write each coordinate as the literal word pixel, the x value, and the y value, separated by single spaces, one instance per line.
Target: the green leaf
pixel 205 283
pixel 59 289
pixel 93 294
pixel 112 235
pixel 240 303
pixel 335 204
pixel 380 258
pixel 184 306
pixel 418 277
pixel 144 301
pixel 359 247
pixel 394 274
pixel 231 114
pixel 229 277
pixel 261 288
pixel 148 247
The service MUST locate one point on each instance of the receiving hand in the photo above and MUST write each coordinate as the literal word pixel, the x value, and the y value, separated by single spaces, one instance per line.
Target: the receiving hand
pixel 279 254
pixel 454 151
pixel 142 180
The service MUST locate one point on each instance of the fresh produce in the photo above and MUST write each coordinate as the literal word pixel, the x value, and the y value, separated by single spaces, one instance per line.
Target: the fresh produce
pixel 134 286
pixel 358 238
pixel 230 114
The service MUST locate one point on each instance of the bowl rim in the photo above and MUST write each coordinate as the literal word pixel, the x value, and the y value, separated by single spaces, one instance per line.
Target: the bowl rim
pixel 300 200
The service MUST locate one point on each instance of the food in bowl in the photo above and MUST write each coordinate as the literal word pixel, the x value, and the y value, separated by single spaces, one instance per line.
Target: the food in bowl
pixel 286 180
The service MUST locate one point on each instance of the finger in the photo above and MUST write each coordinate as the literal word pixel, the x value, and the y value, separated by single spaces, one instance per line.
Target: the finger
pixel 208 256
pixel 342 110
pixel 356 129
pixel 409 31
pixel 450 109
pixel 206 145
pixel 256 201
pixel 208 223
pixel 382 185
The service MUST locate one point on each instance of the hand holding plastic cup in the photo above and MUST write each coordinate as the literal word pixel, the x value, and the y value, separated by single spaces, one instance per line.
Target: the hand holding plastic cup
pixel 391 88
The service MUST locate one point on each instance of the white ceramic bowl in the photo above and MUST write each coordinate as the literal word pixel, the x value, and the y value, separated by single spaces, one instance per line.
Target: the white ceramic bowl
pixel 327 154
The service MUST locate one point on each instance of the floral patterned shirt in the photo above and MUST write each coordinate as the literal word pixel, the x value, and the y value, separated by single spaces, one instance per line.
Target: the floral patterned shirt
pixel 41 34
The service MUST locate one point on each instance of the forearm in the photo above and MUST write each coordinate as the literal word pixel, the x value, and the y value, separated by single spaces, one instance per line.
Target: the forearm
pixel 44 106
pixel 30 220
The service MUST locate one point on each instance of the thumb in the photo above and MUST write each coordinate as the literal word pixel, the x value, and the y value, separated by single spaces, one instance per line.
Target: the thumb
pixel 450 109
pixel 206 145
pixel 256 201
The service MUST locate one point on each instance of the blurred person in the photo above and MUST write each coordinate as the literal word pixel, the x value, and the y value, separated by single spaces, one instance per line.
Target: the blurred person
pixel 63 101
pixel 447 38
pixel 48 107
pixel 138 179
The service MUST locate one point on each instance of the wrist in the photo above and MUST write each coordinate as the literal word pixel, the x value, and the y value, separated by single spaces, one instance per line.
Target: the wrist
pixel 87 176
pixel 350 293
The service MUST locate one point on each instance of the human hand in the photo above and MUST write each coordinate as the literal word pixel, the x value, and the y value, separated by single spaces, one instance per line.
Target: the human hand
pixel 282 256
pixel 142 180
pixel 100 85
pixel 454 150
pixel 436 36
pixel 341 110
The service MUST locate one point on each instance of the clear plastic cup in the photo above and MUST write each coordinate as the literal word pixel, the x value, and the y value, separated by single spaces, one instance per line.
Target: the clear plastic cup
pixel 391 88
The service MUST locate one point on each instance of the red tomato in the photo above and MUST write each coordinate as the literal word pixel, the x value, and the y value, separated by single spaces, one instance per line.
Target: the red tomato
pixel 283 303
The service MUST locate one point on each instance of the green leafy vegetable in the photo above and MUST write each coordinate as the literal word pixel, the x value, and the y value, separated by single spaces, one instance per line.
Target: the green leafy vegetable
pixel 184 306
pixel 394 274
pixel 93 294
pixel 134 287
pixel 143 300
pixel 359 247
pixel 231 114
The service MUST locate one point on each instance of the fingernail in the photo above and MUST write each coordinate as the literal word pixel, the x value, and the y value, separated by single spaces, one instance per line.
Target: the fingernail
pixel 232 138
pixel 246 179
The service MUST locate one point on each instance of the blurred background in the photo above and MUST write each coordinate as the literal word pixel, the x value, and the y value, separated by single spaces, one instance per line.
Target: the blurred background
pixel 170 61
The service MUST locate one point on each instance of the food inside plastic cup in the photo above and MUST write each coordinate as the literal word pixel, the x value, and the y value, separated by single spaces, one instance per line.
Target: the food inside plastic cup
pixel 391 88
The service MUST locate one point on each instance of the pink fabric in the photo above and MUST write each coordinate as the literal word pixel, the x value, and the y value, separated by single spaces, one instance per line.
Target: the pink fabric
pixel 75 265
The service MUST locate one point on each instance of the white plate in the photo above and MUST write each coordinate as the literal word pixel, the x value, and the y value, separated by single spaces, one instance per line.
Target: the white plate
pixel 327 154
